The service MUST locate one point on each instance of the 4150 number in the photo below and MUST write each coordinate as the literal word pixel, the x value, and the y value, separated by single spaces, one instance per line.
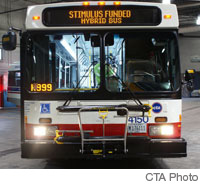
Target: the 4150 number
pixel 138 119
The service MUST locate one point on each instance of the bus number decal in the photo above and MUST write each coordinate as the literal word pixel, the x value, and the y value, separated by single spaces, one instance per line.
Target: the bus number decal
pixel 138 119
pixel 36 87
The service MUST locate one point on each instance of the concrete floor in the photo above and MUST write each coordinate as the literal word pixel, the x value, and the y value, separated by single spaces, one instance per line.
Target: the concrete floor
pixel 10 147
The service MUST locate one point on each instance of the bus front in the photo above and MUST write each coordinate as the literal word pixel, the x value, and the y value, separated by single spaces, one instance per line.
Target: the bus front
pixel 101 79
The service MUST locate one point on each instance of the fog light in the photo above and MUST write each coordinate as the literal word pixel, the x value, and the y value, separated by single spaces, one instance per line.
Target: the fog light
pixel 161 130
pixel 40 131
pixel 45 130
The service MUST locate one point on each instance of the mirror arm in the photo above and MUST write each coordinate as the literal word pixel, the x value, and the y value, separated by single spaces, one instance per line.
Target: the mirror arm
pixel 16 29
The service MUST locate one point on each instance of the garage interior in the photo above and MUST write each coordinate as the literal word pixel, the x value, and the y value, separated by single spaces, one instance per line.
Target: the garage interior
pixel 12 14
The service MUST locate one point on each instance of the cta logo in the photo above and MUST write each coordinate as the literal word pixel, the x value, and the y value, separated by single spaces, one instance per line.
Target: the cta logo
pixel 156 107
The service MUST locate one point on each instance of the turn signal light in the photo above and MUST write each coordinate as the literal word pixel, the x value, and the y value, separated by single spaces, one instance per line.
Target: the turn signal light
pixel 36 18
pixel 25 119
pixel 45 120
pixel 180 117
pixel 161 119
pixel 101 3
pixel 167 16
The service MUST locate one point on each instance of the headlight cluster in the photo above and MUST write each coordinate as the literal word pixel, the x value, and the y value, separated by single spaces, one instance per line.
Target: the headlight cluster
pixel 45 130
pixel 161 130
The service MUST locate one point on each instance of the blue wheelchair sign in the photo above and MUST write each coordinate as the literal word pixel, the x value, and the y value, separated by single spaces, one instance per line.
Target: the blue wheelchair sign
pixel 45 108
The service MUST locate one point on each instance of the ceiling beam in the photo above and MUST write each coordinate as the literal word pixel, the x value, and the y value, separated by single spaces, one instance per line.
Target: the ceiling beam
pixel 191 29
pixel 188 6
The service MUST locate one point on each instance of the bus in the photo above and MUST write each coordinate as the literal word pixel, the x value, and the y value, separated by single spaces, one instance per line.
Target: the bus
pixel 100 79
pixel 14 74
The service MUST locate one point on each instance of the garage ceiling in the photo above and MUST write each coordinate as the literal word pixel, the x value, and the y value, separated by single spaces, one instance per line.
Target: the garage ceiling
pixel 188 11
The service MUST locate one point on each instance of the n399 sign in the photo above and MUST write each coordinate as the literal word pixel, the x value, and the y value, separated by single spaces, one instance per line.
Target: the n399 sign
pixel 37 87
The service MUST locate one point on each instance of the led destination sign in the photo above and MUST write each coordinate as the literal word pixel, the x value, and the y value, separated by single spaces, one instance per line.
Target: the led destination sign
pixel 100 16
pixel 107 15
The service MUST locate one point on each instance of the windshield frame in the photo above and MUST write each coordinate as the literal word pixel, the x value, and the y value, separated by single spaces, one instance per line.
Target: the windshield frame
pixel 102 92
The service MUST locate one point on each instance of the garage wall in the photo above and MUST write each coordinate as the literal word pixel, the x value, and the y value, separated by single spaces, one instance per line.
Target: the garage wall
pixel 9 57
pixel 189 48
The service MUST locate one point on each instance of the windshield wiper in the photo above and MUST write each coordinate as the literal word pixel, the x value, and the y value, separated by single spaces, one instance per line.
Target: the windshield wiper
pixel 139 107
pixel 134 97
pixel 77 88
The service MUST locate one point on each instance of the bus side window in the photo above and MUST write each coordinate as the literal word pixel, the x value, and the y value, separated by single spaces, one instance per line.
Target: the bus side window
pixel 41 52
pixel 52 70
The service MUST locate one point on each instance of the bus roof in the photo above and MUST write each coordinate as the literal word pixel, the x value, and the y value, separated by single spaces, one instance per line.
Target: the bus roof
pixel 168 16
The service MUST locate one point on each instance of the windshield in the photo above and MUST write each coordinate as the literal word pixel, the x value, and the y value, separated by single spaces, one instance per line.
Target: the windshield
pixel 68 61
pixel 142 61
pixel 136 61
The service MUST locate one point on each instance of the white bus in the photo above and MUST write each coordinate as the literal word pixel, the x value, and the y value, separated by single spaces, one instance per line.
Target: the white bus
pixel 101 79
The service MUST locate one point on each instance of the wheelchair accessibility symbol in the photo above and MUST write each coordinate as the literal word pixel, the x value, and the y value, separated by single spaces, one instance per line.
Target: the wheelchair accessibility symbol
pixel 45 108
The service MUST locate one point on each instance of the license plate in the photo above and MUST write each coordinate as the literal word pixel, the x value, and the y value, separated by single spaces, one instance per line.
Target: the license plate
pixel 137 128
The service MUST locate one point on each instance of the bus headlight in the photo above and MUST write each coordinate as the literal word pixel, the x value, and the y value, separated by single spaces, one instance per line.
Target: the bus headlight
pixel 167 130
pixel 45 131
pixel 158 130
pixel 39 131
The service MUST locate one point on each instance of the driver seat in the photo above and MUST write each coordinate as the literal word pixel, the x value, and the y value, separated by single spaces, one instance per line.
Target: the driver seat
pixel 140 70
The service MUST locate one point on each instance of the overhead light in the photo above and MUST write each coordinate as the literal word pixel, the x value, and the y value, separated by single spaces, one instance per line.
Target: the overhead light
pixel 166 1
pixel 68 48
pixel 198 20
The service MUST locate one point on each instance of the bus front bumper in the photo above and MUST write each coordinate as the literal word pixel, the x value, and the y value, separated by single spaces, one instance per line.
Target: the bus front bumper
pixel 137 147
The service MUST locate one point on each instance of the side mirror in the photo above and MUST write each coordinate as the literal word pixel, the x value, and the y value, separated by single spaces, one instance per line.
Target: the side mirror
pixel 9 41
pixel 189 74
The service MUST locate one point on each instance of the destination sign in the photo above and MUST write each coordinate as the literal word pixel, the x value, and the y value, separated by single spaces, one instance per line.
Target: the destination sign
pixel 107 15
pixel 100 16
